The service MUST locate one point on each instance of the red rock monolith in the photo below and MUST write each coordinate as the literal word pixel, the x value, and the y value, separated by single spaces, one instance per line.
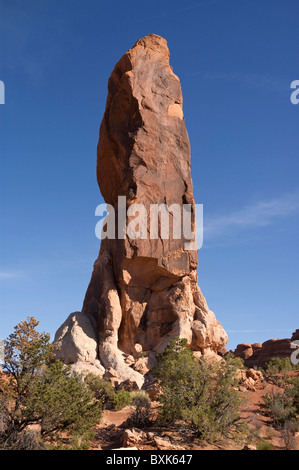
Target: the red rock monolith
pixel 144 292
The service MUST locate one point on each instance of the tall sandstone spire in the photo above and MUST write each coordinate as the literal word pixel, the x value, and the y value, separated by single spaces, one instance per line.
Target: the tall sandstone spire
pixel 143 292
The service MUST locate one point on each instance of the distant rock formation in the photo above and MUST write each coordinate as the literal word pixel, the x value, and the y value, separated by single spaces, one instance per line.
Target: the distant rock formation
pixel 295 336
pixel 257 355
pixel 143 292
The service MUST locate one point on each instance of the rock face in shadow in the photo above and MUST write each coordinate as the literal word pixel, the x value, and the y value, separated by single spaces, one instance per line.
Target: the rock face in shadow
pixel 144 289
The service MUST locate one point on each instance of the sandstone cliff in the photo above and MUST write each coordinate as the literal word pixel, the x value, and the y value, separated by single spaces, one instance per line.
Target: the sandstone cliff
pixel 144 291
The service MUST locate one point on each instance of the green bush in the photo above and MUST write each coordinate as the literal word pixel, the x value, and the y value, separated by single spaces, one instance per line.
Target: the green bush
pixel 264 445
pixel 237 361
pixel 290 428
pixel 61 402
pixel 121 399
pixel 283 408
pixel 36 389
pixel 81 441
pixel 101 388
pixel 279 406
pixel 278 364
pixel 199 395
pixel 292 392
pixel 141 414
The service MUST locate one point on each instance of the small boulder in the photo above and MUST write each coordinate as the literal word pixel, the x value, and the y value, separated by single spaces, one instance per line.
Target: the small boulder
pixel 164 443
pixel 132 436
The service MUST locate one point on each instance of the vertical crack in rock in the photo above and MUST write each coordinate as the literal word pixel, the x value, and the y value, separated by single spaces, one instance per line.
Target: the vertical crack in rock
pixel 144 292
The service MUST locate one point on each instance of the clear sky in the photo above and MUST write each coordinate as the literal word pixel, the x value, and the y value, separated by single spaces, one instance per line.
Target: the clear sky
pixel 236 60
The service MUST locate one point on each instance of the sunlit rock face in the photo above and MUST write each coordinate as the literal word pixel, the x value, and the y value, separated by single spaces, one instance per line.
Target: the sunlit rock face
pixel 143 291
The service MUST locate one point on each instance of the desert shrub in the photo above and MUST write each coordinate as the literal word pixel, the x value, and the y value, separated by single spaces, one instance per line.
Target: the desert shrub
pixel 49 400
pixel 283 408
pixel 141 414
pixel 288 434
pixel 199 395
pixel 80 441
pixel 36 389
pixel 27 440
pixel 121 399
pixel 101 388
pixel 278 364
pixel 264 445
pixel 292 392
pixel 237 361
pixel 279 406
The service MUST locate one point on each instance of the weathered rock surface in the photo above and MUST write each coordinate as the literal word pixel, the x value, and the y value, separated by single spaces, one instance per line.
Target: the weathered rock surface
pixel 243 351
pixel 143 291
pixel 76 344
pixel 164 443
pixel 133 436
pixel 250 379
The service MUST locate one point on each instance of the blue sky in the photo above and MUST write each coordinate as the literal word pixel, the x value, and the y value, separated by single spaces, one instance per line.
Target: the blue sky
pixel 236 60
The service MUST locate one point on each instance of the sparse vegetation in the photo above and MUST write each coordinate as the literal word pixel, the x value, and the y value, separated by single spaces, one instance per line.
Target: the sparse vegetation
pixel 237 361
pixel 279 406
pixel 36 389
pixel 121 398
pixel 198 396
pixel 283 407
pixel 102 389
pixel 290 428
pixel 292 391
pixel 199 400
pixel 264 445
pixel 141 415
pixel 279 364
